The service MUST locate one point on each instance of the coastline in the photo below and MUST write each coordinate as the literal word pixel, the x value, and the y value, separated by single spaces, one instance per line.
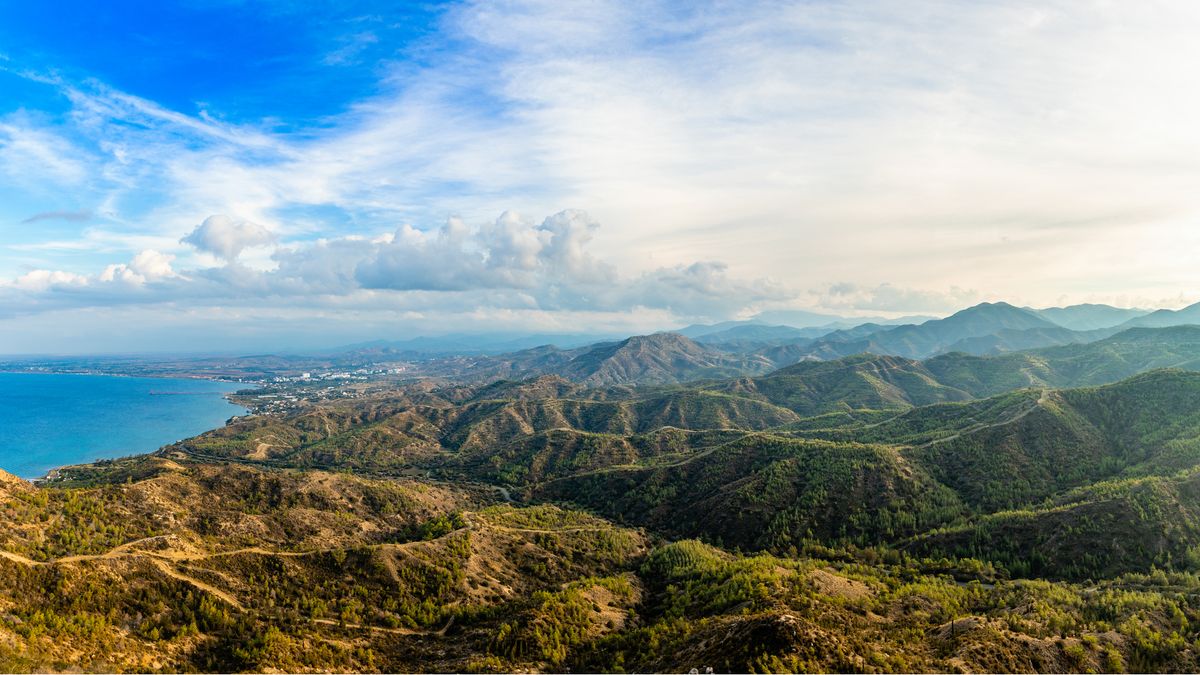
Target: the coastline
pixel 77 427
pixel 99 373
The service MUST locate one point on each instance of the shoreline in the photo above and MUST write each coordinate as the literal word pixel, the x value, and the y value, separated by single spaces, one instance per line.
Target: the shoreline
pixel 92 373
pixel 53 473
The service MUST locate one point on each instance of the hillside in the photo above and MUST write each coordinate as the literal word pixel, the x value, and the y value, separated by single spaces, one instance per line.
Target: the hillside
pixel 838 483
pixel 661 358
pixel 856 382
pixel 1123 355
pixel 444 582
pixel 1009 340
pixel 1100 530
pixel 874 513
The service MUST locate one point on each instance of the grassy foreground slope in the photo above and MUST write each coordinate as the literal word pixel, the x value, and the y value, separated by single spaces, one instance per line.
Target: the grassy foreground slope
pixel 226 568
pixel 417 577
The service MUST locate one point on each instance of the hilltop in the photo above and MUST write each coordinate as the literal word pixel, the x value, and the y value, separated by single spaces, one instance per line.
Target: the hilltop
pixel 661 358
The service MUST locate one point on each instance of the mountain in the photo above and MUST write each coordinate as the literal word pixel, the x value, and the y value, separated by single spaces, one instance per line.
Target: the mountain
pixel 1087 317
pixel 661 358
pixel 649 504
pixel 867 451
pixel 1123 355
pixel 932 337
pixel 805 319
pixel 1100 530
pixel 1010 340
pixel 1109 477
pixel 865 381
pixel 697 330
pixel 1162 318
pixel 902 479
pixel 752 337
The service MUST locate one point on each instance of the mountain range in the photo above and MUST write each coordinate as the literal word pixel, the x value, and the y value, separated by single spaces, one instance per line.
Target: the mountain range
pixel 653 504
pixel 750 349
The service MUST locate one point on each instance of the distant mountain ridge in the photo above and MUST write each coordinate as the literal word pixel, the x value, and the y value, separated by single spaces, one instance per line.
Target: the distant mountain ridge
pixel 660 358
pixel 923 340
pixel 1163 318
pixel 1086 317
pixel 750 349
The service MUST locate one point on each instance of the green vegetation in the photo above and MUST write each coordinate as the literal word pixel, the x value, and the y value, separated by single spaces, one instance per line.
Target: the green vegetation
pixel 870 514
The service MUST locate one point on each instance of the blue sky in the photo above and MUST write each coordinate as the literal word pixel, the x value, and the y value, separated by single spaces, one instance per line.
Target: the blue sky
pixel 260 175
pixel 297 64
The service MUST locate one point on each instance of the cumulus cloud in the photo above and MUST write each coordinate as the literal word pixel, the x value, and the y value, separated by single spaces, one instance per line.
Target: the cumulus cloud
pixel 48 280
pixel 509 253
pixel 149 265
pixel 226 237
pixel 510 263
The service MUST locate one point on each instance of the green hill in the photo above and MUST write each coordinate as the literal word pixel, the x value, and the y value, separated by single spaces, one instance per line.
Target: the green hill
pixel 865 381
pixel 764 491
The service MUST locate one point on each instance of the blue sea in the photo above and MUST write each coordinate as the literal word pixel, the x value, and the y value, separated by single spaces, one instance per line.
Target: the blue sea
pixel 48 421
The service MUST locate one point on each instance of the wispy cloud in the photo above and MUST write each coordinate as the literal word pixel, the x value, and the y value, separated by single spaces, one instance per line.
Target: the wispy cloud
pixel 81 216
pixel 352 48
pixel 1029 151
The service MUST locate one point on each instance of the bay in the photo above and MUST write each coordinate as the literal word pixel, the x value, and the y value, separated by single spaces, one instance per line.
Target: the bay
pixel 53 420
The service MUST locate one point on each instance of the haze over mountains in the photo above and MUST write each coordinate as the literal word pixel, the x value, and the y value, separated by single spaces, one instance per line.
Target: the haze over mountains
pixel 752 348
pixel 749 347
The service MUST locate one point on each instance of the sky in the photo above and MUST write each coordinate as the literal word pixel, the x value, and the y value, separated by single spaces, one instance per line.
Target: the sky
pixel 284 175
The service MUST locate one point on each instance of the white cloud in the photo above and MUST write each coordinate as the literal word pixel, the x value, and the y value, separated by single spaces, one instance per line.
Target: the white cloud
pixel 148 265
pixel 509 253
pixel 352 47
pixel 36 157
pixel 932 146
pixel 227 237
pixel 47 280
pixel 511 263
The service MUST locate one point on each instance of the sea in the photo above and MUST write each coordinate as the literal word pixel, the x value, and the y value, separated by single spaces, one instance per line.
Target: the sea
pixel 53 420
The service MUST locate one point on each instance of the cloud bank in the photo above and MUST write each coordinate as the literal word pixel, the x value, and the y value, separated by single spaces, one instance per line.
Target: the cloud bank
pixel 510 263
